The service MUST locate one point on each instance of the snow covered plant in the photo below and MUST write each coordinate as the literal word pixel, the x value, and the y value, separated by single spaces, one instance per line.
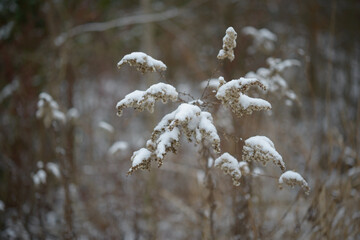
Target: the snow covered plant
pixel 194 119
pixel 48 110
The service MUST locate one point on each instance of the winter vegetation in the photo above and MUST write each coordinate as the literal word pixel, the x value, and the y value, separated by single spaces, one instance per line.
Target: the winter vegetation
pixel 179 120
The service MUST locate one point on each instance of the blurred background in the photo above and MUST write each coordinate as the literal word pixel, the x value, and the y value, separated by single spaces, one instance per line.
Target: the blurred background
pixel 64 176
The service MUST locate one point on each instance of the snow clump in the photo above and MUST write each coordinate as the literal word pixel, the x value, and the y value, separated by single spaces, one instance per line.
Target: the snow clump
pixel 143 62
pixel 262 149
pixel 229 43
pixel 146 99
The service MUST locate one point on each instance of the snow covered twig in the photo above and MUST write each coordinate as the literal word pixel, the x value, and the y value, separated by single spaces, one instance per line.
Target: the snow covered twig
pixel 143 62
pixel 146 99
pixel 232 94
pixel 292 179
pixel 262 149
pixel 232 167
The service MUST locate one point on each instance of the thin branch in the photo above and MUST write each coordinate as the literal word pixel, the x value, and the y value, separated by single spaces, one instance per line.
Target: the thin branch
pixel 119 22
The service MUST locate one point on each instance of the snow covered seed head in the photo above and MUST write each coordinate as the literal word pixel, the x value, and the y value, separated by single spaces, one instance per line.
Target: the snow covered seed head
pixel 232 167
pixel 48 110
pixel 232 94
pixel 292 178
pixel 143 62
pixel 229 43
pixel 261 149
pixel 194 123
pixel 146 99
pixel 140 159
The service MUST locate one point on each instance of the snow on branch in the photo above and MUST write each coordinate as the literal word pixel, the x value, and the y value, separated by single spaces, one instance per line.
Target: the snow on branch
pixel 232 94
pixel 229 43
pixel 262 149
pixel 292 178
pixel 143 62
pixel 146 99
pixel 48 110
pixel 188 119
pixel 232 167
pixel 264 40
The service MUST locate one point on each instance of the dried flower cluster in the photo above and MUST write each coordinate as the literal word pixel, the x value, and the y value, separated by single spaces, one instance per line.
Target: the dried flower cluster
pixel 232 167
pixel 48 110
pixel 232 94
pixel 264 40
pixel 261 149
pixel 292 179
pixel 197 126
pixel 146 99
pixel 143 62
pixel 272 77
pixel 229 43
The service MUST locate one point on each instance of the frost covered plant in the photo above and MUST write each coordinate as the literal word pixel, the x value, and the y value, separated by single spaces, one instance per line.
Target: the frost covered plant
pixel 48 110
pixel 262 149
pixel 232 94
pixel 229 43
pixel 263 40
pixel 141 100
pixel 143 62
pixel 232 167
pixel 292 179
pixel 191 120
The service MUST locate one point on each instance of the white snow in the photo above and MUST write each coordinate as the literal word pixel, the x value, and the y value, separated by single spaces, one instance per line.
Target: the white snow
pixel 231 162
pixel 263 149
pixel 9 89
pixel 146 99
pixel 119 146
pixel 48 110
pixel 232 166
pixel 272 77
pixel 54 169
pixel 140 59
pixel 140 156
pixel 72 114
pixel 2 206
pixel 106 127
pixel 241 84
pixel 292 178
pixel 246 102
pixel 264 39
pixel 213 83
pixel 229 43
pixel 39 177
pixel 290 175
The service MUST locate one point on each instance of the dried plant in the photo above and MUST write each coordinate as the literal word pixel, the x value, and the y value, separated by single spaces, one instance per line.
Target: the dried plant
pixel 196 124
